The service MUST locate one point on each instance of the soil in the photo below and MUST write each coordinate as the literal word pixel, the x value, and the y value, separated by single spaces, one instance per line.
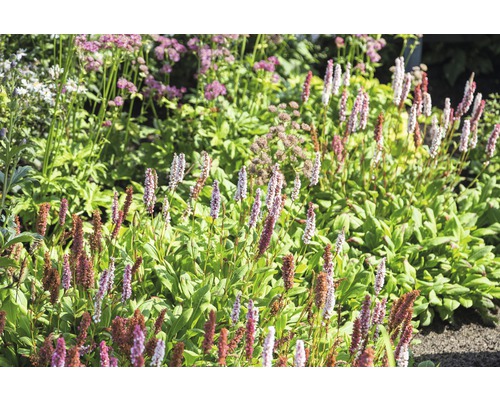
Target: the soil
pixel 466 343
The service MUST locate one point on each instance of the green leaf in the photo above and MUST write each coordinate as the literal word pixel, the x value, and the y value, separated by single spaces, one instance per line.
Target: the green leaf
pixel 180 322
pixel 481 253
pixel 388 346
pixel 427 363
pixel 24 237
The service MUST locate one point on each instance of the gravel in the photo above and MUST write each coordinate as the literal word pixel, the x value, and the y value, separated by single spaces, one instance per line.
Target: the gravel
pixel 466 343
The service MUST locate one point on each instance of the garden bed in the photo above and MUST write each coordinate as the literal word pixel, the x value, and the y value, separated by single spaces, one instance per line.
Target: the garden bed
pixel 466 343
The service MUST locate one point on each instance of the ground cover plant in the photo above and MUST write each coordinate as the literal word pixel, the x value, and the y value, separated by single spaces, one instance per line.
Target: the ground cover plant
pixel 260 215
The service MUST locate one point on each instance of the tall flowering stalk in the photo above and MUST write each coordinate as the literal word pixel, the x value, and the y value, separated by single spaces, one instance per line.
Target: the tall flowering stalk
pixel 255 213
pixel 288 271
pixel 378 315
pixel 241 189
pixel 477 103
pixel 159 354
pixel 306 88
pixel 235 313
pixel 209 327
pixel 365 110
pixel 379 136
pixel 327 84
pixel 176 171
pixel 427 104
pixel 463 107
pixel 329 303
pixel 464 137
pixel 476 116
pixel 315 170
pixel 77 246
pixel 137 350
pixel 274 185
pixel 128 202
pixel 343 105
pixel 492 141
pixel 412 119
pixel 250 331
pixel 446 114
pixel 127 283
pixel 397 80
pixel 356 109
pixel 150 186
pixel 115 208
pixel 310 225
pixel 215 201
pixel 63 211
pixel 96 238
pixel 355 337
pixel 365 316
pixel 103 354
pixel 401 351
pixel 300 354
pixel 328 260
pixel 101 292
pixel 417 99
pixel 366 358
pixel 379 277
pixel 436 138
pixel 66 273
pixel 267 351
pixel 405 90
pixel 269 224
pixel 296 188
pixel 321 289
pixel 111 274
pixel 223 347
pixel 59 356
pixel 338 149
pixel 43 214
pixel 337 79
pixel 177 355
pixel 206 164
pixel 346 80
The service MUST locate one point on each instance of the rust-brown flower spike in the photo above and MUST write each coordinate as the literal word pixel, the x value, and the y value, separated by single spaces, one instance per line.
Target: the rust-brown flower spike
pixel 41 224
pixel 288 271
pixel 96 238
pixel 177 355
pixel 209 333
pixel 321 289
pixel 159 321
pixel 223 347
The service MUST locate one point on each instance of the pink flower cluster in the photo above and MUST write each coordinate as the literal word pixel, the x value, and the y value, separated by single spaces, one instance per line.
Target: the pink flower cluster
pixel 126 42
pixel 157 88
pixel 124 84
pixel 214 89
pixel 168 48
pixel 268 65
pixel 208 56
